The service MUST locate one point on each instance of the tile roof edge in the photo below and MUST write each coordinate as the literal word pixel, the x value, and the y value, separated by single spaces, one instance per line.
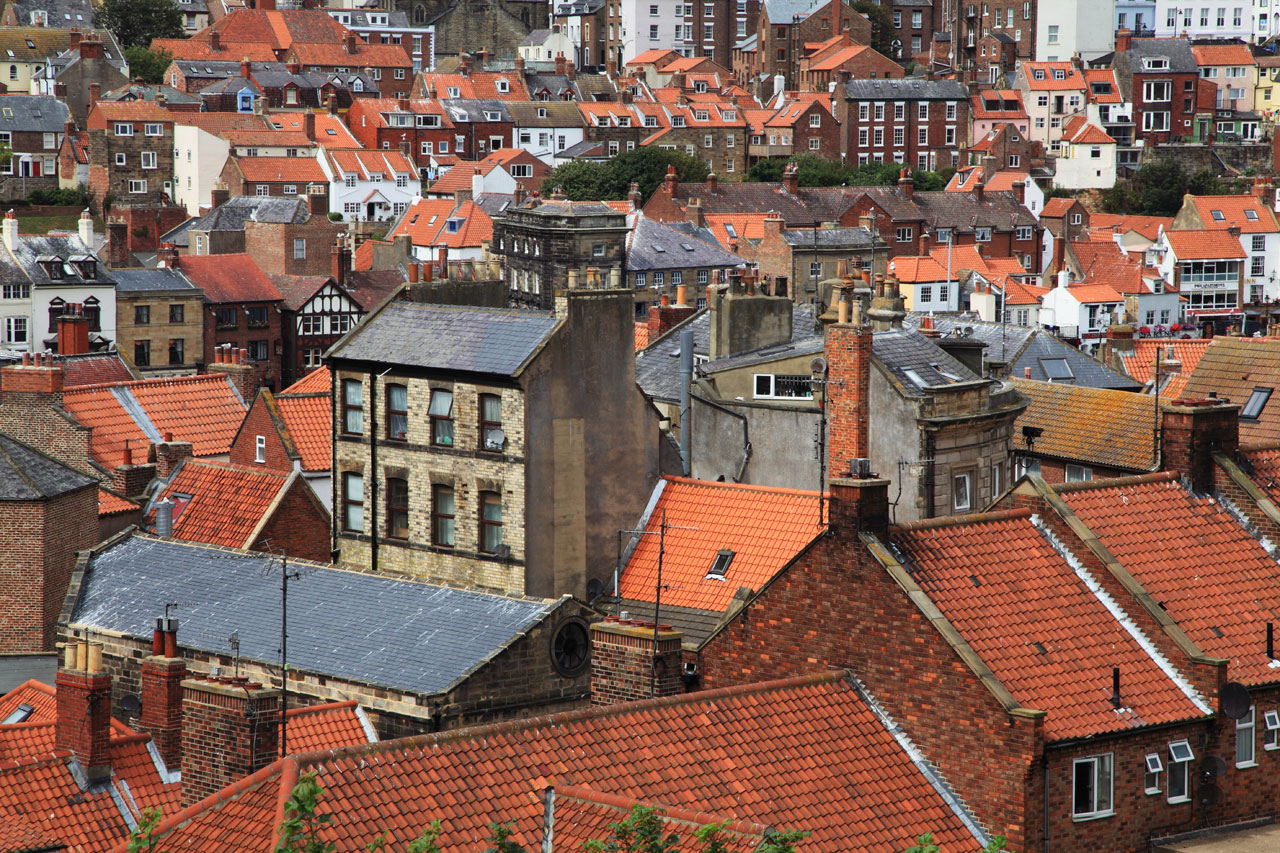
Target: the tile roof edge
pixel 950 634
pixel 746 487
pixel 309 759
pixel 1248 486
pixel 1116 482
pixel 1085 535
pixel 618 801
pixel 280 766
pixel 957 520
pixel 273 507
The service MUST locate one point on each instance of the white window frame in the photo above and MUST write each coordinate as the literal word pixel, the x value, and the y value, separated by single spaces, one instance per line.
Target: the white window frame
pixel 962 498
pixel 772 395
pixel 1152 768
pixel 1078 473
pixel 137 187
pixel 1271 734
pixel 260 448
pixel 1180 758
pixel 1101 807
pixel 1246 739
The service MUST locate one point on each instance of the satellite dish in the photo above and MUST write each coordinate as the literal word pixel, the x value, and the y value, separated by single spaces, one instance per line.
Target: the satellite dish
pixel 130 703
pixel 1234 700
pixel 595 589
pixel 1213 766
pixel 818 366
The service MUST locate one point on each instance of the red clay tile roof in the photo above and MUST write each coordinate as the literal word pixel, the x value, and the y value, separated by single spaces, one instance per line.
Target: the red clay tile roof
pixel 1020 293
pixel 309 419
pixel 1141 365
pixel 642 335
pixel 366 55
pixel 229 278
pixel 1204 244
pixel 110 503
pixel 40 696
pixel 1175 387
pixel 659 56
pixel 806 753
pixel 1091 425
pixel 724 516
pixel 302 170
pixel 219 503
pixel 1232 210
pixel 1148 226
pixel 329 726
pixel 362 259
pixel 1071 76
pixel 1222 54
pixel 1211 577
pixel 425 221
pixel 583 815
pixel 316 382
pixel 1078 131
pixel 205 410
pixel 1103 75
pixel 22 837
pixel 95 369
pixel 1232 368
pixel 1035 621
pixel 1056 208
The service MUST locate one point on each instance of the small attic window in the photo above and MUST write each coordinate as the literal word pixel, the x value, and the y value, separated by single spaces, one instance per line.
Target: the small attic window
pixel 1257 401
pixel 19 714
pixel 730 230
pixel 1057 369
pixel 720 565
pixel 1217 215
pixel 658 248
pixel 453 225
pixel 1251 215
pixel 686 247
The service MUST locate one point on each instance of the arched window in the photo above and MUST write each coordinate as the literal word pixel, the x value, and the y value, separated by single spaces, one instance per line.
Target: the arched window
pixel 419 14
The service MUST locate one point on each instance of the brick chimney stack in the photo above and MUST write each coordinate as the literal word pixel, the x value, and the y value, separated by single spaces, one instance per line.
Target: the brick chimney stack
pixel 906 183
pixel 622 661
pixel 848 353
pixel 170 454
pixel 234 364
pixel 84 708
pixel 340 260
pixel 90 47
pixel 1191 431
pixel 791 179
pixel 664 315
pixel 162 675
pixel 230 729
pixel 37 381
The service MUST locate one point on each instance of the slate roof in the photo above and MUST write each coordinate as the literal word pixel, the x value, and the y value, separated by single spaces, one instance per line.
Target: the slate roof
pixel 1212 578
pixel 1095 426
pixel 62 14
pixel 26 474
pixel 905 90
pixel 1041 627
pixel 370 628
pixel 916 362
pixel 149 281
pixel 708 517
pixel 1085 370
pixel 449 338
pixel 829 238
pixel 654 245
pixel 1176 50
pixel 965 211
pixel 1232 368
pixel 734 752
pixel 33 114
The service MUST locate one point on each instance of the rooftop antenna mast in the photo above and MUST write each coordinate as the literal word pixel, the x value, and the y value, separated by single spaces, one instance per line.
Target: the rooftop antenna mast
pixel 661 533
pixel 285 576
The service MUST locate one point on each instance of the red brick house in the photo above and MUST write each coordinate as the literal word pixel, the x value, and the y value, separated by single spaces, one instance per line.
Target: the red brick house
pixel 840 58
pixel 241 317
pixel 1159 76
pixel 920 123
pixel 780 45
pixel 291 431
pixel 274 176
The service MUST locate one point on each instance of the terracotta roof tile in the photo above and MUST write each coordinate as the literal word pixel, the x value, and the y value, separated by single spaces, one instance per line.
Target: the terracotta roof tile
pixel 1148 226
pixel 730 752
pixel 1103 75
pixel 1078 131
pixel 229 278
pixel 329 726
pixel 205 410
pixel 1071 76
pixel 1034 621
pixel 316 382
pixel 1233 211
pixel 1090 425
pixel 1211 577
pixel 1204 244
pixel 724 516
pixel 642 335
pixel 1222 54
pixel 110 503
pixel 264 169
pixel 1141 365
pixel 1232 368
pixel 1056 208
pixel 309 419
pixel 40 696
pixel 583 815
pixel 219 503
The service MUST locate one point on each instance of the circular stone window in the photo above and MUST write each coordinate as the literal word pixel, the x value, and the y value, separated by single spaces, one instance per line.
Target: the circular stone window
pixel 571 648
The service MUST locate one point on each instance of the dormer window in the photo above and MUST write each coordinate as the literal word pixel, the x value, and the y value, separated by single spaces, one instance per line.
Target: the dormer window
pixel 677 121
pixel 1037 74
pixel 650 121
pixel 451 92
pixel 1059 74
pixel 492 115
pixel 503 87
pixel 700 86
pixel 452 226
pixel 700 115
pixel 1155 63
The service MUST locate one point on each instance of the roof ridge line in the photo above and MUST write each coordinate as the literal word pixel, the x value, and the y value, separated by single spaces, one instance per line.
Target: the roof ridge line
pixel 1116 482
pixel 971 518
pixel 755 487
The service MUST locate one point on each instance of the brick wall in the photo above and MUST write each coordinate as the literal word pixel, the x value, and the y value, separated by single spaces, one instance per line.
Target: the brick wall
pixel 266 372
pixel 1191 433
pixel 229 730
pixel 627 664
pixel 271 244
pixel 299 526
pixel 259 422
pixel 84 719
pixel 21 582
pixel 848 352
pixel 161 696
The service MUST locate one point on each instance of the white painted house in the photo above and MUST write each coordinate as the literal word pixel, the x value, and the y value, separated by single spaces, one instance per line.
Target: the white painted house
pixel 1086 154
pixel 1066 28
pixel 369 185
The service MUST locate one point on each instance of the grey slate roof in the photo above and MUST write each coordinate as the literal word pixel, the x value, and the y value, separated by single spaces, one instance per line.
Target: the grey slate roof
pixel 148 280
pixel 830 238
pixel 916 362
pixel 144 92
pixel 581 7
pixel 33 114
pixel 236 211
pixel 558 113
pixel 62 246
pixel 370 628
pixel 28 475
pixel 1024 347
pixel 474 110
pixel 535 37
pixel 495 341
pixel 964 211
pixel 913 89
pixel 60 14
pixel 1177 51
pixel 784 11
pixel 653 245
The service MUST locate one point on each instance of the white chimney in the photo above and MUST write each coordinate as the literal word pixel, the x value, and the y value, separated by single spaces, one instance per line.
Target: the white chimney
pixel 10 233
pixel 477 185
pixel 1063 278
pixel 779 84
pixel 86 229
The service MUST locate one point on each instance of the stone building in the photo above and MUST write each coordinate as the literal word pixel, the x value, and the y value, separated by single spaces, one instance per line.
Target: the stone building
pixel 541 241
pixel 489 447
pixel 159 320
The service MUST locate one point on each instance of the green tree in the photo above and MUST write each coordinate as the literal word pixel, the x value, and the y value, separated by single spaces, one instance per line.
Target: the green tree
pixel 712 840
pixel 426 842
pixel 925 844
pixel 136 22
pixel 300 829
pixel 1155 190
pixel 1203 182
pixel 882 31
pixel 500 839
pixel 148 65
pixel 639 832
pixel 143 838
pixel 768 170
pixel 587 180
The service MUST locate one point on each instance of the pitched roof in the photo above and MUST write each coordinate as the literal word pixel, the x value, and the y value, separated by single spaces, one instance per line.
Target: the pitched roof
pixel 205 410
pixel 109 503
pixel 309 419
pixel 263 169
pixel 329 726
pixel 1079 131
pixel 377 629
pixel 1222 54
pixel 1071 77
pixel 1148 226
pixel 315 382
pixel 1193 557
pixel 1104 78
pixel 229 278
pixel 219 503
pixel 1204 244
pixel 654 245
pixel 1246 212
pixel 708 518
pixel 732 752
pixel 446 337
pixel 1058 207
pixel 1044 625
pixel 1096 426
pixel 26 474
pixel 1231 368
pixel 1141 365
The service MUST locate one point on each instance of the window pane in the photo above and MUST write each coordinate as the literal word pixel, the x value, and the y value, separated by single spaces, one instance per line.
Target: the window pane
pixel 351 392
pixel 398 397
pixel 1104 783
pixel 1083 787
pixel 491 408
pixel 442 534
pixel 441 404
